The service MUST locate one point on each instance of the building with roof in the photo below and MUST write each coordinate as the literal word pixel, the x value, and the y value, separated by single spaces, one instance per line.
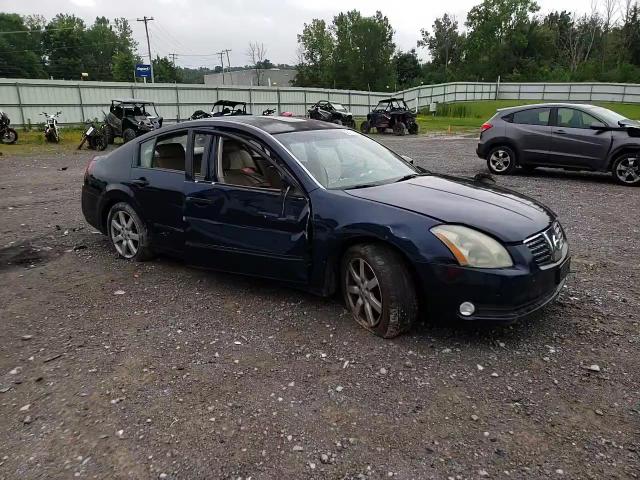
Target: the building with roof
pixel 271 77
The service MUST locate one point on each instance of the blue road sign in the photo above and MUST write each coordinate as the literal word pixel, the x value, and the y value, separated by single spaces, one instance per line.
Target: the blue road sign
pixel 143 70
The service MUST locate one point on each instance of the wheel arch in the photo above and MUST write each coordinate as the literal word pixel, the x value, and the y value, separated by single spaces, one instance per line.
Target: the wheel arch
pixel 629 148
pixel 332 273
pixel 503 141
pixel 115 194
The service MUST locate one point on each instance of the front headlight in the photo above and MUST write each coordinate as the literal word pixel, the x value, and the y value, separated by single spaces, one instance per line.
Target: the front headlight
pixel 472 248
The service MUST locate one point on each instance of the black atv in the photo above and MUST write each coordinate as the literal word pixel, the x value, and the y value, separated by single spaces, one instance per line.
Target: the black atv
pixel 332 112
pixel 222 108
pixel 129 118
pixel 391 113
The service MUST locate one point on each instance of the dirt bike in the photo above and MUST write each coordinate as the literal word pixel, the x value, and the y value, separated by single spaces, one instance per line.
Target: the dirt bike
pixel 7 135
pixel 95 136
pixel 51 132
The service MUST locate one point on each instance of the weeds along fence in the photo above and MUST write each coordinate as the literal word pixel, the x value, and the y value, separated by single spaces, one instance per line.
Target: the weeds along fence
pixel 24 100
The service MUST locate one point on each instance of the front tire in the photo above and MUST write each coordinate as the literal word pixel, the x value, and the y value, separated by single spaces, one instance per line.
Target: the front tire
pixel 413 128
pixel 501 160
pixel 128 233
pixel 626 169
pixel 109 134
pixel 128 135
pixel 10 136
pixel 337 121
pixel 378 289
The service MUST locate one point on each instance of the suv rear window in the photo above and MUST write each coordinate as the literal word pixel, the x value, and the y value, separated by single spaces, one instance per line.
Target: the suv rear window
pixel 532 116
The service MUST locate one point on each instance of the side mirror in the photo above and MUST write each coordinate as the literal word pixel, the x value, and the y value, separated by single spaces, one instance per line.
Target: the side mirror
pixel 407 158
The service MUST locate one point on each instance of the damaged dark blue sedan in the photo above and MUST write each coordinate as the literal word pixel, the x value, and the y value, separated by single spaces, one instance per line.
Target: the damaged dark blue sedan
pixel 329 210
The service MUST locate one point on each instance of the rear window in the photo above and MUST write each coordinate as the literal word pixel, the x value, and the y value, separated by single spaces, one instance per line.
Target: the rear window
pixel 532 116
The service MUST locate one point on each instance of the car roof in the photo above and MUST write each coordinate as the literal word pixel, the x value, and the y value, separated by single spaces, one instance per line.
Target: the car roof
pixel 392 99
pixel 229 103
pixel 269 124
pixel 547 105
pixel 132 100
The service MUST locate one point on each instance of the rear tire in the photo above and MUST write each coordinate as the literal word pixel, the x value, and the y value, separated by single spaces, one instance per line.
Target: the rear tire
pixel 378 289
pixel 626 169
pixel 413 128
pixel 128 233
pixel 400 129
pixel 365 127
pixel 501 160
pixel 128 135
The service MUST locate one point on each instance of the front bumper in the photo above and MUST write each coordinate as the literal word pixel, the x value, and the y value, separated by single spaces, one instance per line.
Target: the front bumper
pixel 502 295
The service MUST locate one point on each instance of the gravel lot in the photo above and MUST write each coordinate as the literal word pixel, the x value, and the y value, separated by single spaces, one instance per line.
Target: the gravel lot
pixel 110 369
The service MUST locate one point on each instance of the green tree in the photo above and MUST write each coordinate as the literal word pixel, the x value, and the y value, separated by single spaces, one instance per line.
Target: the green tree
pixel 315 54
pixel 164 71
pixel 445 43
pixel 20 53
pixel 497 28
pixel 407 67
pixel 64 44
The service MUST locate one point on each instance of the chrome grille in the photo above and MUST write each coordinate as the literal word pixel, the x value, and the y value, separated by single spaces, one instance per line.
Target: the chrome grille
pixel 547 247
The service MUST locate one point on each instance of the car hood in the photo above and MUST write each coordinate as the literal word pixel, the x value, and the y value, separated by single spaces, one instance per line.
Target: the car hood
pixel 506 215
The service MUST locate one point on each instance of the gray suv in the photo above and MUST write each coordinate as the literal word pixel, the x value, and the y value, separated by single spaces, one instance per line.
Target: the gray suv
pixel 562 135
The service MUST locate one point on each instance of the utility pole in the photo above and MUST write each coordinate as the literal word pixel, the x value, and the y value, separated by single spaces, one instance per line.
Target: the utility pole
pixel 175 71
pixel 226 50
pixel 146 29
pixel 221 63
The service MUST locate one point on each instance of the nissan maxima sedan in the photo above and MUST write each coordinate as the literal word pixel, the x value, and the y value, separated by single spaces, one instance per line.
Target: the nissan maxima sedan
pixel 562 135
pixel 328 210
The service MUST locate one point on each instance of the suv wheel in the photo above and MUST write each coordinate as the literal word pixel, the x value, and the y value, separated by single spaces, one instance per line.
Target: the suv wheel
pixel 501 160
pixel 378 289
pixel 399 128
pixel 128 135
pixel 128 233
pixel 626 169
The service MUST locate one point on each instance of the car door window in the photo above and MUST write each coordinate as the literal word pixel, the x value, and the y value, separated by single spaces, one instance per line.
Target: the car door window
pixel 532 116
pixel 243 165
pixel 166 152
pixel 572 118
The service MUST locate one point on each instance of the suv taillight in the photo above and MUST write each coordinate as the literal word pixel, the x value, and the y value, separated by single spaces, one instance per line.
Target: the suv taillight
pixel 485 126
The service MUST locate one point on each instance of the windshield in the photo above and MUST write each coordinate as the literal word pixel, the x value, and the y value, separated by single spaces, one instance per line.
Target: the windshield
pixel 388 105
pixel 607 115
pixel 339 107
pixel 343 159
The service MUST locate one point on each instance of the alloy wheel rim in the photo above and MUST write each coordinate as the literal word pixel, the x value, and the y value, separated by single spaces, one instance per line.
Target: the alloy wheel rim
pixel 628 170
pixel 500 160
pixel 124 234
pixel 363 293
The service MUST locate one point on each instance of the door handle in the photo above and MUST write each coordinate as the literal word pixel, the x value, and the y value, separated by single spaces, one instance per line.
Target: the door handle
pixel 560 132
pixel 141 182
pixel 200 201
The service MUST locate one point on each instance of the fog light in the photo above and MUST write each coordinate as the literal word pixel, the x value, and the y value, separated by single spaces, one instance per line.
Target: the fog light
pixel 467 309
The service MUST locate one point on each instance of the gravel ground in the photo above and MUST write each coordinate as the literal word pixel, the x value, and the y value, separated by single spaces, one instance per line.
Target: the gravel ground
pixel 110 369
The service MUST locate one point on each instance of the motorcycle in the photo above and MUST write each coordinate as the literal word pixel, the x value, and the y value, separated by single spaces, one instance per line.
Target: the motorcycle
pixel 7 135
pixel 95 136
pixel 51 132
pixel 269 112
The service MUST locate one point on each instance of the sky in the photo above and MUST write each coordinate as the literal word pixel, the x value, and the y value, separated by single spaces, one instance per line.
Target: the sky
pixel 196 29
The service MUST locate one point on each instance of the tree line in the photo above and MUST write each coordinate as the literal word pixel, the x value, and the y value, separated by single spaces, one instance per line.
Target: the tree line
pixel 65 47
pixel 506 38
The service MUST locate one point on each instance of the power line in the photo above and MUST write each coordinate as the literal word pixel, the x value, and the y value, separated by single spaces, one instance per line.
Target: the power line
pixel 146 19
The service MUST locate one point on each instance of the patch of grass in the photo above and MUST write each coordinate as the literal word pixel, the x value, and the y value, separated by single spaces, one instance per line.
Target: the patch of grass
pixel 33 141
pixel 483 110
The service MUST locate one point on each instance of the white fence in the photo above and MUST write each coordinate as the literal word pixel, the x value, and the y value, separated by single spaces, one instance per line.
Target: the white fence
pixel 23 100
